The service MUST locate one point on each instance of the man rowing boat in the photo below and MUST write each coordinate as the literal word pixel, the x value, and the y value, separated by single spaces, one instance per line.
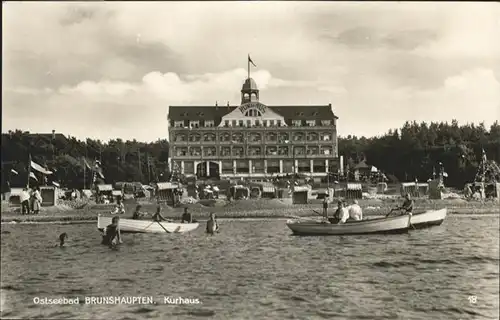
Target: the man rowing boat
pixel 158 216
pixel 186 216
pixel 111 236
pixel 138 214
pixel 407 204
pixel 406 208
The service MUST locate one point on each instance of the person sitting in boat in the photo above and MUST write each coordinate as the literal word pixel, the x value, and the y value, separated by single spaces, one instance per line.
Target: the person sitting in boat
pixel 111 236
pixel 355 212
pixel 158 216
pixel 119 208
pixel 186 216
pixel 138 214
pixel 212 224
pixel 407 206
pixel 338 213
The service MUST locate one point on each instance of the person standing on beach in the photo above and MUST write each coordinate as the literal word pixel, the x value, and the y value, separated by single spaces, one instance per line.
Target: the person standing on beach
pixel 37 200
pixel 325 207
pixel 24 198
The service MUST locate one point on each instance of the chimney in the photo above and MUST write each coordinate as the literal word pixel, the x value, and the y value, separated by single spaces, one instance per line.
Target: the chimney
pixel 216 103
pixel 228 103
pixel 53 134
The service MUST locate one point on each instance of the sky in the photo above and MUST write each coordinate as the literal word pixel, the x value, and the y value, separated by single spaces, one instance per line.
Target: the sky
pixel 111 69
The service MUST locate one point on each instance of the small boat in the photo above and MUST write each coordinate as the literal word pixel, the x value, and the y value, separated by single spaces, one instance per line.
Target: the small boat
pixel 396 224
pixel 146 226
pixel 428 218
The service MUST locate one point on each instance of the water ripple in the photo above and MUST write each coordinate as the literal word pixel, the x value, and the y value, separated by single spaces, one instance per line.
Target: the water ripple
pixel 257 270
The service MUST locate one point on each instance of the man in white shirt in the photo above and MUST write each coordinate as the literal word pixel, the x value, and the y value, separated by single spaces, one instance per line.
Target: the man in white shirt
pixel 24 198
pixel 355 212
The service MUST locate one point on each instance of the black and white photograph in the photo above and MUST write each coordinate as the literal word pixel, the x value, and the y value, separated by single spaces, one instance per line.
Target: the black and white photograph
pixel 250 160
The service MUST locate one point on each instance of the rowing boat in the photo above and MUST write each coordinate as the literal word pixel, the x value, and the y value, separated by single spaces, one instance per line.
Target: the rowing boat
pixel 428 218
pixel 394 225
pixel 146 226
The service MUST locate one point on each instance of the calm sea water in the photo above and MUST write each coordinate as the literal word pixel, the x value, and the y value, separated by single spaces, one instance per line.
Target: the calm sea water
pixel 257 270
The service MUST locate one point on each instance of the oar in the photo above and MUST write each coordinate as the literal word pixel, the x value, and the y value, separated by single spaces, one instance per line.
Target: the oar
pixel 392 210
pixel 164 227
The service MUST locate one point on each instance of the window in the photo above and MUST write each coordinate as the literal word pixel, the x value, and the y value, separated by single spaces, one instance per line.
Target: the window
pixel 209 123
pixel 178 124
pixel 226 123
pixel 271 123
pixel 241 123
pixel 234 123
pixel 194 124
pixel 278 123
pixel 249 123
pixel 257 123
pixel 311 123
pixel 326 123
pixel 253 113
pixel 296 123
pixel 264 123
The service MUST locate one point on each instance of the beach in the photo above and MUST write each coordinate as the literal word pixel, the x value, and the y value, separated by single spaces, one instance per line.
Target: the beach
pixel 253 208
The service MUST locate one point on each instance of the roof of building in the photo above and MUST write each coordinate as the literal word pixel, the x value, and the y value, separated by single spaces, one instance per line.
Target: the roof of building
pixel 249 85
pixel 297 112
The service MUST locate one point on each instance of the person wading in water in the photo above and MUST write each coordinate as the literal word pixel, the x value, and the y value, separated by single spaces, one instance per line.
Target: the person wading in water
pixel 62 237
pixel 112 235
pixel 212 225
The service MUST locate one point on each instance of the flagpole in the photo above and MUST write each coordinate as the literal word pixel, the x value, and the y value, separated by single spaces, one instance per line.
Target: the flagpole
pixel 29 170
pixel 84 174
pixel 248 66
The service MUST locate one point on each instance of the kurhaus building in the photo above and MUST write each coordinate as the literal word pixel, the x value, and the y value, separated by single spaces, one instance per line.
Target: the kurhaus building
pixel 253 140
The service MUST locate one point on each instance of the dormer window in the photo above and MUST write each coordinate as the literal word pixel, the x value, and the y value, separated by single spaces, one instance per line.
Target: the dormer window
pixel 201 114
pixel 315 113
pixel 184 114
pixel 326 123
pixel 311 123
pixel 194 124
pixel 178 124
pixel 296 123
pixel 209 123
pixel 300 114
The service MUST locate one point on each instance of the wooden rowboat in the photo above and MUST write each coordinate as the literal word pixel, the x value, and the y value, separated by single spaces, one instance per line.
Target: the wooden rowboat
pixel 146 226
pixel 428 218
pixel 394 225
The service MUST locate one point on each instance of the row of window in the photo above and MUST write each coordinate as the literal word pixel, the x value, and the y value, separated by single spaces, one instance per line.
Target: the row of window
pixel 253 137
pixel 250 123
pixel 251 151
pixel 258 166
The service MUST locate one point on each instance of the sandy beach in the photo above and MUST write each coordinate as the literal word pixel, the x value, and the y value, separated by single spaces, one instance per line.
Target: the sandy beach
pixel 260 208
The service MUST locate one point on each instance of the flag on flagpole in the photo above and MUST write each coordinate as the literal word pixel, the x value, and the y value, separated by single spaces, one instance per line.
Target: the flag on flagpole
pixel 39 168
pixel 85 163
pixel 14 171
pixel 484 156
pixel 251 61
pixel 32 176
